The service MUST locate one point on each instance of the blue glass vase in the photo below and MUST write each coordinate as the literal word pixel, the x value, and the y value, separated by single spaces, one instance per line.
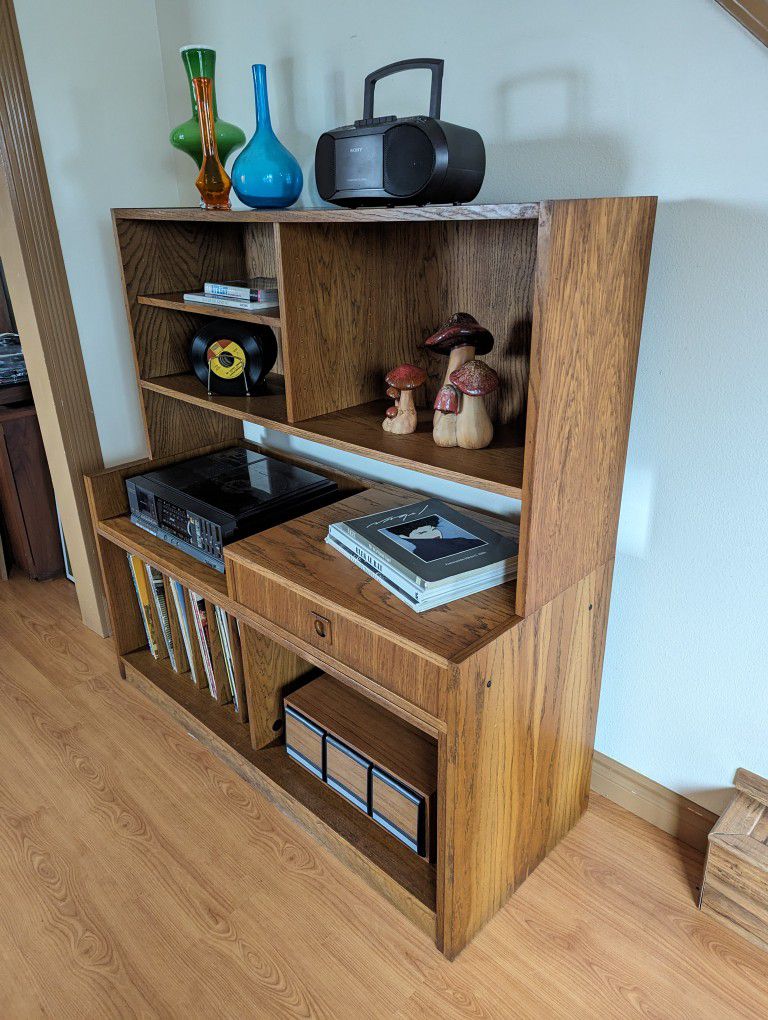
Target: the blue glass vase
pixel 265 175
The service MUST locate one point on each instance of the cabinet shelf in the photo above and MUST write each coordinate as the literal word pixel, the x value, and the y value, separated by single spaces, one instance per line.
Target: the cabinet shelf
pixel 204 580
pixel 175 302
pixel 405 878
pixel 498 468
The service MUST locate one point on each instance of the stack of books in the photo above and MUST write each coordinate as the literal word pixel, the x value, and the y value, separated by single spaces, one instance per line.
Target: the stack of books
pixel 253 295
pixel 428 553
pixel 177 625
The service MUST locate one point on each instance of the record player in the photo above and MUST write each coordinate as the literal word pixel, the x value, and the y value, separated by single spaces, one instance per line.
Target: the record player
pixel 201 505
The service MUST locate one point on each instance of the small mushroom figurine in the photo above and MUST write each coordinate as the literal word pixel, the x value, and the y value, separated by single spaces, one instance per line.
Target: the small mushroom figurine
pixel 462 338
pixel 404 380
pixel 446 408
pixel 474 428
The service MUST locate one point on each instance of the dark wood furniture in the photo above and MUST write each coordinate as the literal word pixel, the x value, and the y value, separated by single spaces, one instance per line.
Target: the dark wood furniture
pixel 26 495
pixel 506 682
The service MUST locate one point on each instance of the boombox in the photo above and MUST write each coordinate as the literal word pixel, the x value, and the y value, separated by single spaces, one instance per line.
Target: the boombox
pixel 400 160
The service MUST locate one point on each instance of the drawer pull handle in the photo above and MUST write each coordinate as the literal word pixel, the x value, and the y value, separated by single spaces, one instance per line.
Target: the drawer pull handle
pixel 322 626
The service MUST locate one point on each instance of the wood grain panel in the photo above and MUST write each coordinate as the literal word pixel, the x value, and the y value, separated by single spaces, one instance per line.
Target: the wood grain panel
pixel 296 557
pixel 420 681
pixel 37 280
pixel 269 670
pixel 409 214
pixel 517 757
pixel 174 301
pixel 358 300
pixel 752 14
pixel 128 633
pixel 590 289
pixel 176 428
pixel 259 242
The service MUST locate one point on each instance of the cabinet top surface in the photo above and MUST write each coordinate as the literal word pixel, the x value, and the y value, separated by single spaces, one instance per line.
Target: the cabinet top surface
pixel 335 214
pixel 296 554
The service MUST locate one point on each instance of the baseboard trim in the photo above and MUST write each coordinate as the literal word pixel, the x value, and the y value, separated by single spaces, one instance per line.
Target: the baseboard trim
pixel 675 814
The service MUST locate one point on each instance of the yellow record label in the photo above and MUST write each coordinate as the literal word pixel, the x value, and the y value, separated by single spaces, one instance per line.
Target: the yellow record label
pixel 226 359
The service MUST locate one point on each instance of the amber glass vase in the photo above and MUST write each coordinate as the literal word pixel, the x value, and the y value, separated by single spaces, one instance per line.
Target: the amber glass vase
pixel 212 182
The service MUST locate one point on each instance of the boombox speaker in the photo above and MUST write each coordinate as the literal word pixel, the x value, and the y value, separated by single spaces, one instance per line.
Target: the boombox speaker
pixel 400 160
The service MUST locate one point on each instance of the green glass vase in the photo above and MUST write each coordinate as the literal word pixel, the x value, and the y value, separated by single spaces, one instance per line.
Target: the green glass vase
pixel 200 62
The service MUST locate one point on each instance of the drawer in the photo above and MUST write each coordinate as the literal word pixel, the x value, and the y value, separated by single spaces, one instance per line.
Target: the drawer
pixel 416 679
pixel 399 810
pixel 347 772
pixel 304 742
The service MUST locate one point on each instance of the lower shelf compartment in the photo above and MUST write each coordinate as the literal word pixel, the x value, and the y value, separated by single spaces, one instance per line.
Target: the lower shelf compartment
pixel 406 880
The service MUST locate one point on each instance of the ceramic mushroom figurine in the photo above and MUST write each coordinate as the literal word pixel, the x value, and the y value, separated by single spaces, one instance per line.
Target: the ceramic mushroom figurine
pixel 404 379
pixel 474 428
pixel 446 408
pixel 461 338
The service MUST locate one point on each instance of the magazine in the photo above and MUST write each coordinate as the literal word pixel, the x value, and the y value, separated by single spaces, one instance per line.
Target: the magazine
pixel 181 612
pixel 429 544
pixel 200 620
pixel 141 584
pixel 158 593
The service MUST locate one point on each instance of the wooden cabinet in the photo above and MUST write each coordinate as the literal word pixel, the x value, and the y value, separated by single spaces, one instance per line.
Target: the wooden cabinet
pixel 26 495
pixel 505 683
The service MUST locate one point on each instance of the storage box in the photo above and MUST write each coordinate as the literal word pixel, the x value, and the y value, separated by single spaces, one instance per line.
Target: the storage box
pixel 304 742
pixel 735 887
pixel 374 759
pixel 401 811
pixel 347 772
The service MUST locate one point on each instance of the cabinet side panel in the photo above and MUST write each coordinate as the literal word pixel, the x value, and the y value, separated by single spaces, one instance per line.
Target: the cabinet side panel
pixel 518 753
pixel 175 427
pixel 591 277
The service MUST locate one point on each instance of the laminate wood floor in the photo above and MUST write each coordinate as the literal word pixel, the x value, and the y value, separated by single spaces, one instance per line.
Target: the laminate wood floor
pixel 140 878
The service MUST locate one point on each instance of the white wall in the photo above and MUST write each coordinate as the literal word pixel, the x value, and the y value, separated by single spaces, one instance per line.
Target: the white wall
pixel 99 95
pixel 595 98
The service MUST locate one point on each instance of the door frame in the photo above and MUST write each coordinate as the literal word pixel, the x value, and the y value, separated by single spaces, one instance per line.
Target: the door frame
pixel 45 318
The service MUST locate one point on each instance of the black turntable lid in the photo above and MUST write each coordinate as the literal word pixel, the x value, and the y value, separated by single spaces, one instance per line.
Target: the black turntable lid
pixel 237 482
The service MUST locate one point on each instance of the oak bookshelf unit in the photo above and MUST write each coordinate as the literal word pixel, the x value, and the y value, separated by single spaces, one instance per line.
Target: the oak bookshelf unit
pixel 505 682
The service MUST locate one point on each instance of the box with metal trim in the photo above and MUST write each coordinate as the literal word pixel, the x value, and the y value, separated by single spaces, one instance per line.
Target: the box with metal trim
pixel 374 759
pixel 304 742
pixel 401 811
pixel 347 772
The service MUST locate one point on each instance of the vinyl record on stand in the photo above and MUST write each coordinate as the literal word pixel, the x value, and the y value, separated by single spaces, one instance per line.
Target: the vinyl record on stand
pixel 231 358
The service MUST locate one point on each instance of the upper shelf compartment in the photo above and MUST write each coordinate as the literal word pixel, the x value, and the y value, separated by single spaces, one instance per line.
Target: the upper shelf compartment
pixel 360 291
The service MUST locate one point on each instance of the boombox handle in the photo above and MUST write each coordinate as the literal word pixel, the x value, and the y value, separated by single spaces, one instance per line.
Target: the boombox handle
pixel 435 95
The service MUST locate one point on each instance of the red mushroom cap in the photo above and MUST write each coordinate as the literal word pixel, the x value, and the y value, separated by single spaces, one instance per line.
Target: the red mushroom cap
pixel 475 378
pixel 461 330
pixel 406 377
pixel 392 392
pixel 391 412
pixel 447 400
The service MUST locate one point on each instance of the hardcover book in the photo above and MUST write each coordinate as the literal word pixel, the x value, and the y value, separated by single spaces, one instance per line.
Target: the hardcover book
pixel 429 544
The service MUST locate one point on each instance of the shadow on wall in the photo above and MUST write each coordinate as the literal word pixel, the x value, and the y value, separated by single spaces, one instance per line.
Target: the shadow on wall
pixel 563 160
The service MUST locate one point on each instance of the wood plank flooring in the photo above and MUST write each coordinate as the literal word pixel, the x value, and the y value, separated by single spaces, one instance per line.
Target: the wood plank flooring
pixel 139 877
